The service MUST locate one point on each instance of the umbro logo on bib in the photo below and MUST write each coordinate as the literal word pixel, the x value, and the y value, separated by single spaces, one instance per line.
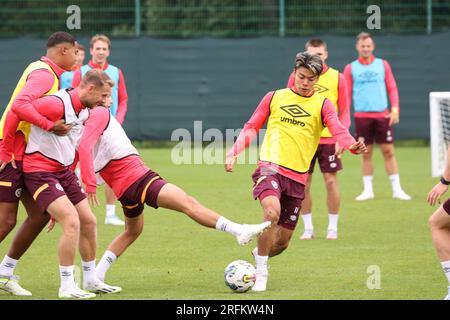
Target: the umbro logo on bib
pixel 320 89
pixel 295 111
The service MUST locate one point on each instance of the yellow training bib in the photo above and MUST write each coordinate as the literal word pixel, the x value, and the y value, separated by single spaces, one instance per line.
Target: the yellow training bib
pixel 293 130
pixel 25 126
pixel 328 86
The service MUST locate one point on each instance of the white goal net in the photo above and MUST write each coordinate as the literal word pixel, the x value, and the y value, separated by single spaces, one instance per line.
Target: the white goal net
pixel 439 130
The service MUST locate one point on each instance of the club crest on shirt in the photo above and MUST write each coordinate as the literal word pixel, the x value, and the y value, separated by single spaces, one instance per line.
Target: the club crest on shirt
pixel 369 75
pixel 18 192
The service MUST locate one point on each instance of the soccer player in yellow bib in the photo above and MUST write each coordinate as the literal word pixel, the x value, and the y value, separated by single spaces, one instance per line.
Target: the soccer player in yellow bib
pixel 296 117
pixel 331 85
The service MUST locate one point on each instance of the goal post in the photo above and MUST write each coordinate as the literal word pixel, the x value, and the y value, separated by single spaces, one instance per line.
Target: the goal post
pixel 439 130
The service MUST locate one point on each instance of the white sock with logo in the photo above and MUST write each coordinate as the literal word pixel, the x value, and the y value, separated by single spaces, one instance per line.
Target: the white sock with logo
pixel 88 271
pixel 446 268
pixel 66 275
pixel 104 264
pixel 228 226
pixel 7 266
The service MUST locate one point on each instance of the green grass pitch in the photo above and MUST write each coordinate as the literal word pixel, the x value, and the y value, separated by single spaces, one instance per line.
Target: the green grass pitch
pixel 177 259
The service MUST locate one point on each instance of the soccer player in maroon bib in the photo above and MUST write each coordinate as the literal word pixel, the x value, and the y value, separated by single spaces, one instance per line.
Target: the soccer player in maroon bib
pixel 370 82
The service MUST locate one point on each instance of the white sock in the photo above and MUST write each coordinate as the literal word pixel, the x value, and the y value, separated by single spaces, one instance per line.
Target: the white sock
pixel 307 221
pixel 7 266
pixel 367 181
pixel 88 271
pixel 395 182
pixel 333 221
pixel 446 268
pixel 228 226
pixel 67 278
pixel 105 263
pixel 110 210
pixel 261 263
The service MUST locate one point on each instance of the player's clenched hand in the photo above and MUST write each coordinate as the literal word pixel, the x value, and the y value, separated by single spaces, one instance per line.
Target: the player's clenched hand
pixel 358 147
pixel 92 199
pixel 60 128
pixel 435 194
pixel 229 163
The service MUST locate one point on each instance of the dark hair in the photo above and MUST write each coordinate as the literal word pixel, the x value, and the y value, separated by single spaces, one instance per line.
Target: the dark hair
pixel 315 43
pixel 312 62
pixel 60 37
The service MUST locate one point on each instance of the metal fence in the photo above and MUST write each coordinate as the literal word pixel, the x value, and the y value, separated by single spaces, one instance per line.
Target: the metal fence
pixel 221 18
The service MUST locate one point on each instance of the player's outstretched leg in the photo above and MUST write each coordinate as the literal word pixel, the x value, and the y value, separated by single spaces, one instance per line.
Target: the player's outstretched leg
pixel 174 198
pixel 133 228
pixel 440 231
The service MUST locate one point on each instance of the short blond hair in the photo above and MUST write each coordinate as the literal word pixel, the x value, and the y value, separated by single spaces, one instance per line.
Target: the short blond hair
pixel 100 37
pixel 96 77
pixel 364 36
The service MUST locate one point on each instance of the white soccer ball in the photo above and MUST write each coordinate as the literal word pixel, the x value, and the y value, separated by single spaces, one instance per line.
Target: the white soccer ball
pixel 240 276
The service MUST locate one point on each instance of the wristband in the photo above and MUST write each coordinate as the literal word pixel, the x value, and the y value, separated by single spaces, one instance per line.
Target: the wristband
pixel 445 182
